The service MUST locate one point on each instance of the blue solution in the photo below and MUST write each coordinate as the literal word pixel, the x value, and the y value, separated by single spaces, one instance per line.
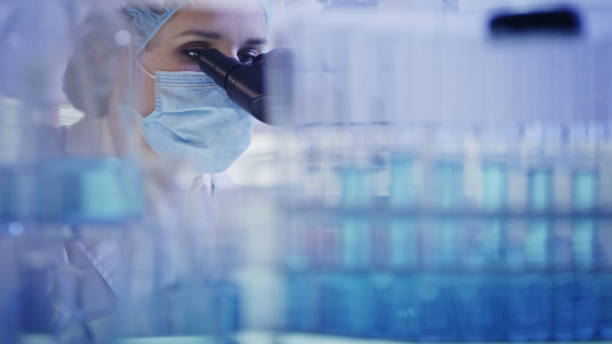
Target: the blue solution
pixel 356 242
pixel 403 311
pixel 536 245
pixel 347 306
pixel 355 247
pixel 403 190
pixel 448 185
pixel 445 253
pixel 478 307
pixel 529 308
pixel 563 306
pixel 81 191
pixel 586 306
pixel 225 299
pixel 563 284
pixel 482 245
pixel 188 308
pixel 435 313
pixel 8 194
pixel 479 314
pixel 10 316
pixel 605 301
pixel 586 288
pixel 302 303
pixel 356 191
pixel 382 285
pixel 584 190
pixel 540 189
pixel 494 186
pixel 529 294
pixel 403 243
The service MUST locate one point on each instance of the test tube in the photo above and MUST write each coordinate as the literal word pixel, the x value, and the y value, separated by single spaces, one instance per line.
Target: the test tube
pixel 477 295
pixel 355 227
pixel 540 189
pixel 347 305
pixel 302 303
pixel 403 229
pixel 605 264
pixel 448 185
pixel 435 316
pixel 440 238
pixel 586 287
pixel 494 186
pixel 404 317
pixel 403 243
pixel 529 302
pixel 440 255
pixel 563 281
pixel 403 186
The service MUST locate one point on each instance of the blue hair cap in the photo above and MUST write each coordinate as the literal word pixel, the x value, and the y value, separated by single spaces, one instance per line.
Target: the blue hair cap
pixel 148 21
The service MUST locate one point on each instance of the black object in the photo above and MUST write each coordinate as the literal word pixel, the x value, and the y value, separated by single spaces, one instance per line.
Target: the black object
pixel 243 82
pixel 563 21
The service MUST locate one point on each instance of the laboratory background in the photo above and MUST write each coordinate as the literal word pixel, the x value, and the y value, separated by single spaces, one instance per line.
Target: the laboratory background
pixel 434 171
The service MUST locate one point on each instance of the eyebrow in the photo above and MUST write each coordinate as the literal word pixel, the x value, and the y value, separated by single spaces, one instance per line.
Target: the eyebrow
pixel 206 34
pixel 216 36
pixel 256 41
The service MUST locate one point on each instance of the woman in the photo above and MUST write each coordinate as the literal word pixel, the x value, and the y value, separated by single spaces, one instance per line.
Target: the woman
pixel 180 112
pixel 140 87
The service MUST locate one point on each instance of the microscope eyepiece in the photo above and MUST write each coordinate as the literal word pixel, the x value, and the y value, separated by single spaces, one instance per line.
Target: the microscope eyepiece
pixel 244 83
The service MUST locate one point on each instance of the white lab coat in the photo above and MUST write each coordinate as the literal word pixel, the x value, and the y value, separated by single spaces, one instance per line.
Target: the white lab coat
pixel 101 261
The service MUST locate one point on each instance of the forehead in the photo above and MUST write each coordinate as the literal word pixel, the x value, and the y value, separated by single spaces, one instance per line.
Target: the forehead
pixel 233 18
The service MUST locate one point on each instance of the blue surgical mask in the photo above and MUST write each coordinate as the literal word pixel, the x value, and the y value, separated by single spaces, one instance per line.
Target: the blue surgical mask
pixel 194 119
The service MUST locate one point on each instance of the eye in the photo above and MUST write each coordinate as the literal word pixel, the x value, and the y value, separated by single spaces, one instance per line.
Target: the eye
pixel 248 55
pixel 192 50
pixel 193 54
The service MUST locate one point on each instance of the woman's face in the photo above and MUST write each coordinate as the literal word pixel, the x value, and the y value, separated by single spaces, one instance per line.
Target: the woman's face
pixel 235 27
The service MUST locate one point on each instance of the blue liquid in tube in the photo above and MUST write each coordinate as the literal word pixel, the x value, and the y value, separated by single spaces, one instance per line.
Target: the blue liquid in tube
pixel 403 231
pixel 8 194
pixel 495 187
pixel 347 306
pixel 447 233
pixel 403 243
pixel 356 191
pixel 586 286
pixel 403 192
pixel 563 282
pixel 435 314
pixel 563 310
pixel 382 285
pixel 528 305
pixel 586 306
pixel 356 233
pixel 302 303
pixel 605 330
pixel 87 190
pixel 584 191
pixel 478 312
pixel 536 245
pixel 448 185
pixel 356 242
pixel 404 317
pixel 529 292
pixel 540 189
